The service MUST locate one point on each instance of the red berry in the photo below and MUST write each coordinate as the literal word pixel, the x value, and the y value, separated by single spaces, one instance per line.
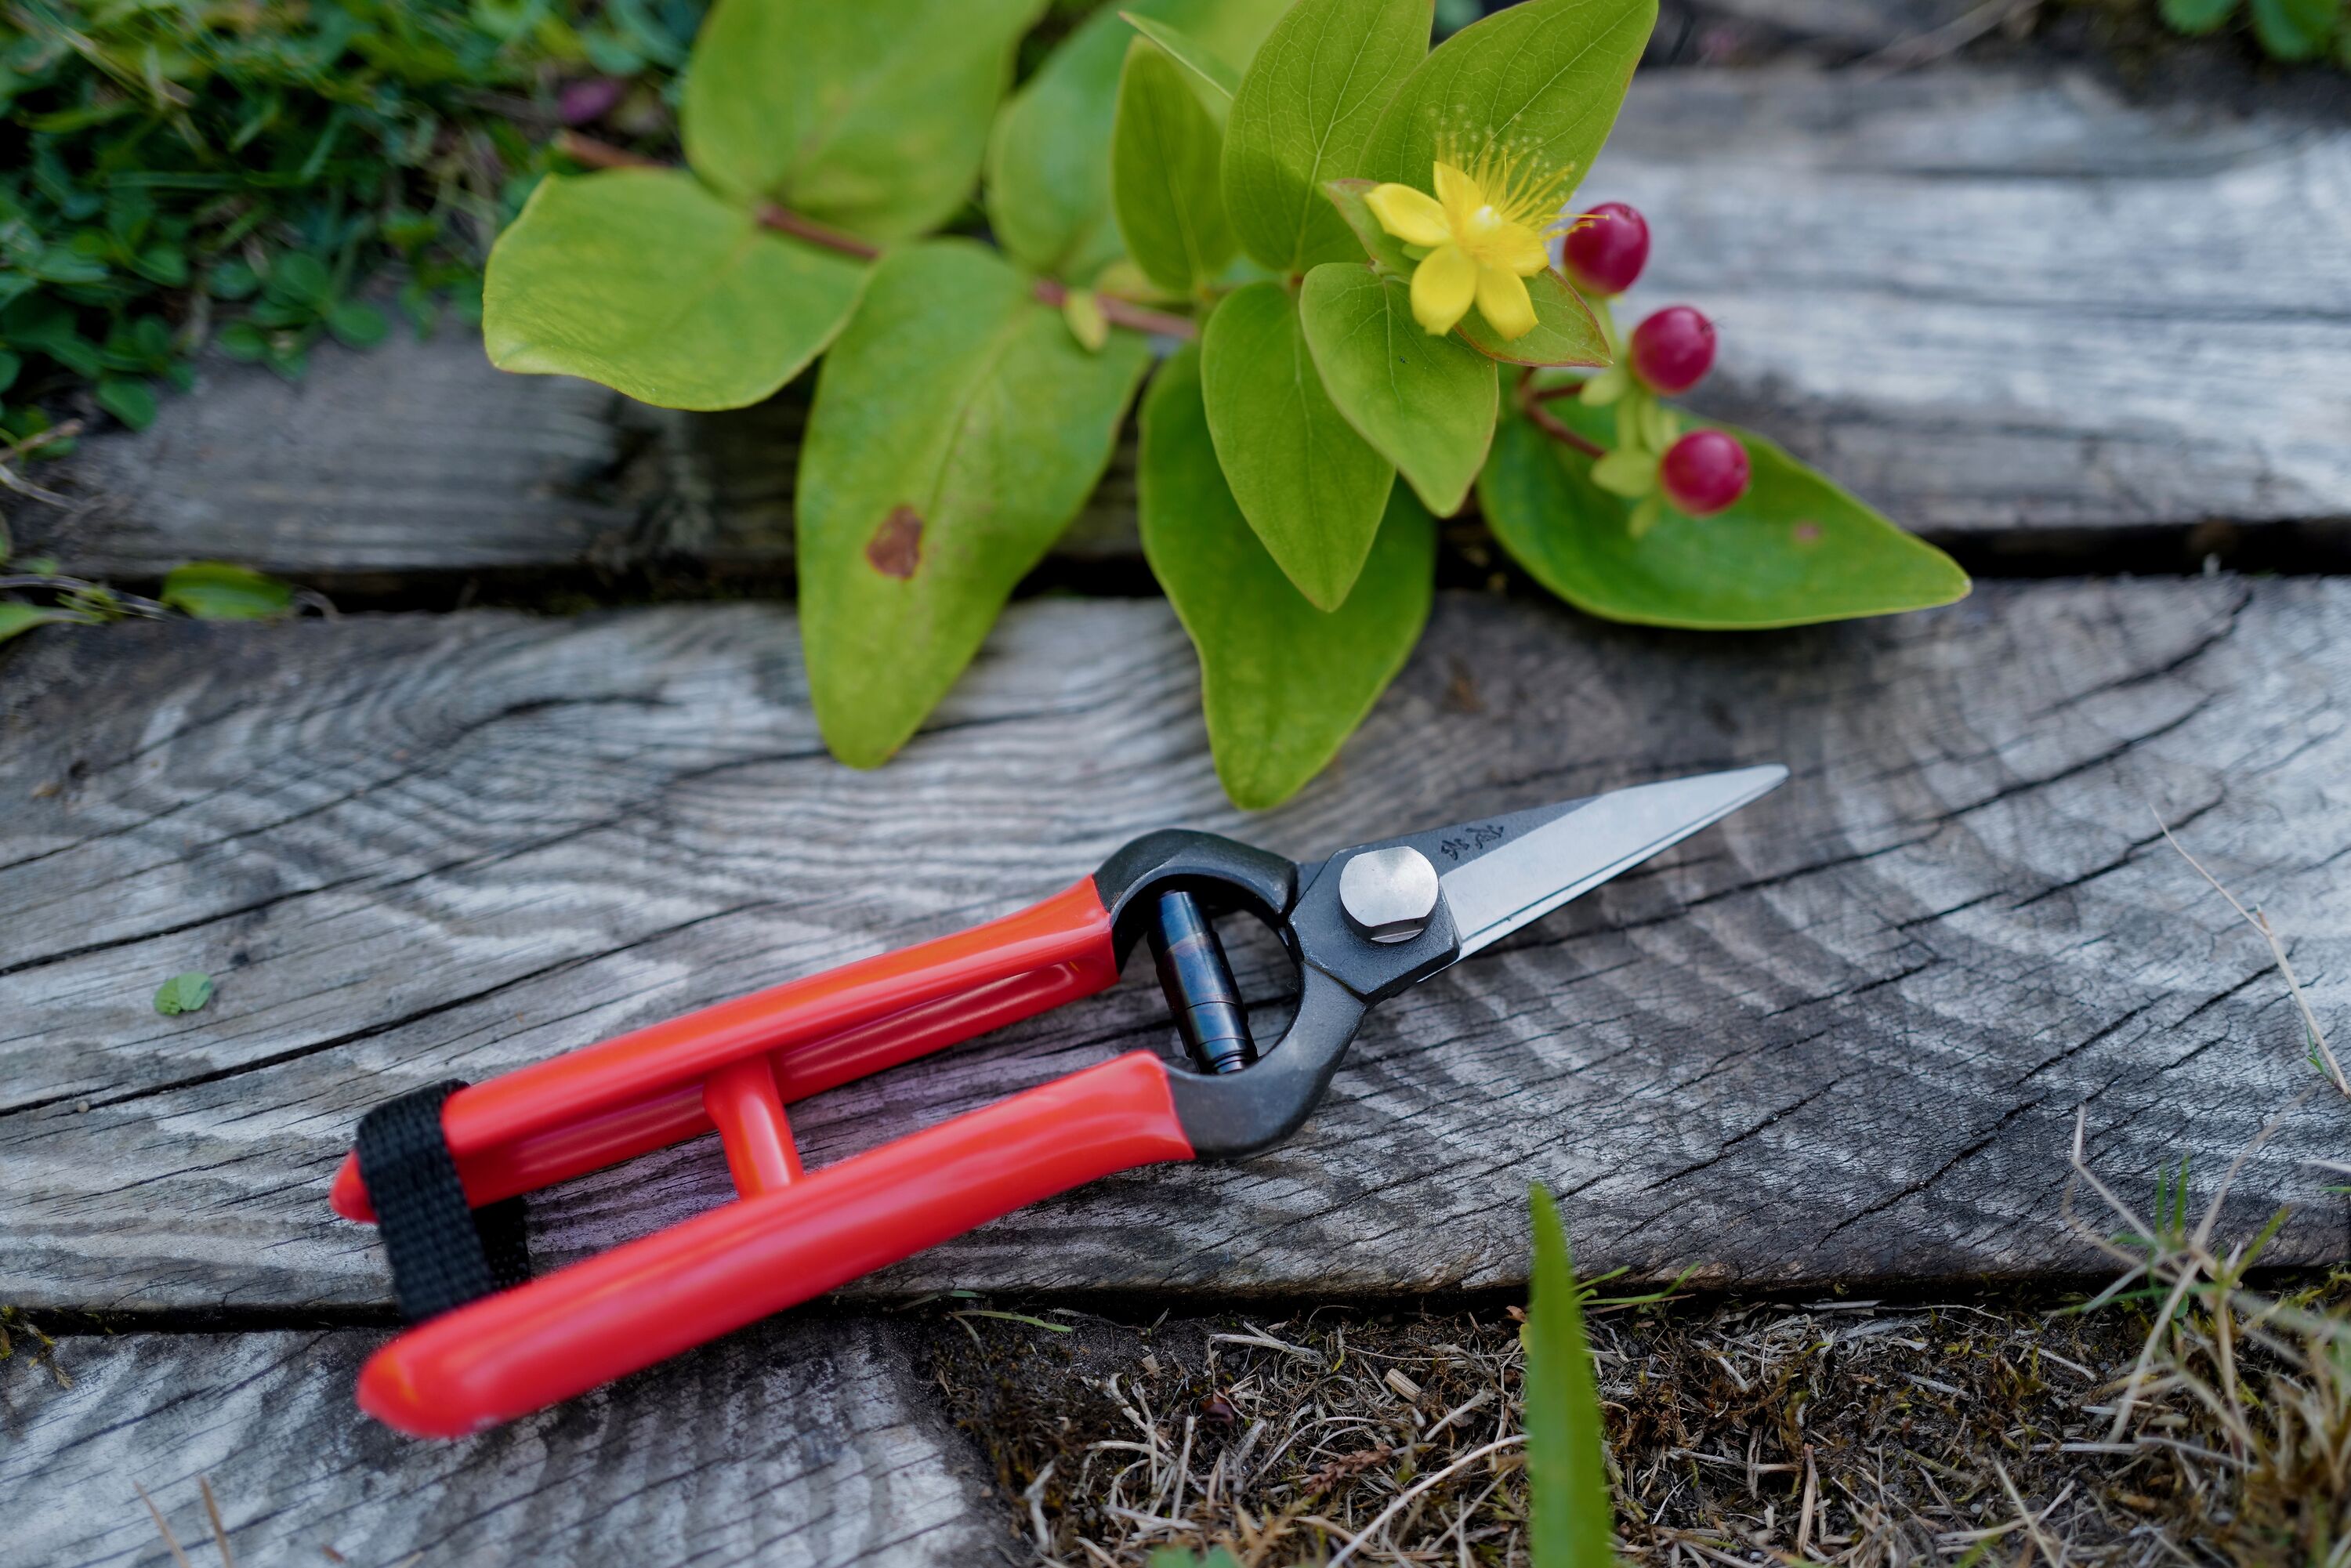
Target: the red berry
pixel 1606 249
pixel 1673 349
pixel 1704 472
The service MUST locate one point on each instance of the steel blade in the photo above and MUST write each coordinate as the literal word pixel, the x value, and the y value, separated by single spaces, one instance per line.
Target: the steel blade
pixel 1527 874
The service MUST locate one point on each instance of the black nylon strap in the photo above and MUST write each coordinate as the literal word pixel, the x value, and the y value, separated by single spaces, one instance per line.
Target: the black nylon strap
pixel 443 1253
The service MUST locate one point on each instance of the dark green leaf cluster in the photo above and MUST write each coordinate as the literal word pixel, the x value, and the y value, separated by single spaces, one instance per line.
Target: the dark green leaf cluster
pixel 1225 176
pixel 2287 30
pixel 236 169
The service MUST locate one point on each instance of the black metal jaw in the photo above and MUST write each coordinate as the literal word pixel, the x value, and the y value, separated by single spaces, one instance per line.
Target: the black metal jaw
pixel 1164 887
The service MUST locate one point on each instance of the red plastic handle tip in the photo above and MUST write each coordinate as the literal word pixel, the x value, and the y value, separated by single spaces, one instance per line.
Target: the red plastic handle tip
pixel 349 1196
pixel 387 1392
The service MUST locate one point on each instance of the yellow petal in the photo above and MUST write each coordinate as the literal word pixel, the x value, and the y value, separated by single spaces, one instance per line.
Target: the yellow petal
pixel 1501 299
pixel 1519 249
pixel 1442 287
pixel 1413 216
pixel 1458 193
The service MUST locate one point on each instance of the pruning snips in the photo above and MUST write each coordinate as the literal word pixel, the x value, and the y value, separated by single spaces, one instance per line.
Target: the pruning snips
pixel 442 1171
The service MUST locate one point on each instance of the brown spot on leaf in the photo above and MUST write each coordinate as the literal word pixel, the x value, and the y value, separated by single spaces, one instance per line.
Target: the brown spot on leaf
pixel 1807 532
pixel 896 547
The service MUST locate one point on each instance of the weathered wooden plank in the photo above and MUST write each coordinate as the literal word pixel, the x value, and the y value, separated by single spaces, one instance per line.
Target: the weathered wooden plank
pixel 412 457
pixel 1833 29
pixel 2000 304
pixel 2013 309
pixel 1843 1036
pixel 805 1442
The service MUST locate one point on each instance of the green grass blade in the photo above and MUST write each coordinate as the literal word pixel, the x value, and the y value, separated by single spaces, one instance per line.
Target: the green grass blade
pixel 1567 1467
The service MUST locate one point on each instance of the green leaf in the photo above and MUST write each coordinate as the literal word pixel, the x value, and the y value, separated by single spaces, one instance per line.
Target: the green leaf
pixel 1177 1557
pixel 871 116
pixel 1216 78
pixel 1048 162
pixel 1569 1520
pixel 1281 682
pixel 1425 404
pixel 1162 155
pixel 1565 331
pixel 1544 80
pixel 242 341
pixel 216 591
pixel 58 265
pixel 1082 309
pixel 1311 487
pixel 1305 113
pixel 1627 471
pixel 186 993
pixel 357 325
pixel 2197 16
pixel 297 277
pixel 643 280
pixel 163 262
pixel 1793 550
pixel 11 364
pixel 2295 30
pixel 16 619
pixel 63 344
pixel 129 400
pixel 958 428
pixel 1609 386
pixel 232 280
pixel 1386 252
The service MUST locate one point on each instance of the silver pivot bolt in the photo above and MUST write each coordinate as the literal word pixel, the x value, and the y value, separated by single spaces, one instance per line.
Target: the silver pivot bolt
pixel 1388 894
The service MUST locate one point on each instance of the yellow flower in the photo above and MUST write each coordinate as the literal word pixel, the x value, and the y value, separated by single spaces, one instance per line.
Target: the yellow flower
pixel 1483 233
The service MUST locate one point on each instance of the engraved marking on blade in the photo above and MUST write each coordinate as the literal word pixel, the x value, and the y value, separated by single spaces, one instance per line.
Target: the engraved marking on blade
pixel 1470 839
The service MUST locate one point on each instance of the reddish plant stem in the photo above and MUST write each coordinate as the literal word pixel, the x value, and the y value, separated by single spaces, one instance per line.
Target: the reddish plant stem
pixel 1549 423
pixel 1051 291
pixel 1564 389
pixel 1121 310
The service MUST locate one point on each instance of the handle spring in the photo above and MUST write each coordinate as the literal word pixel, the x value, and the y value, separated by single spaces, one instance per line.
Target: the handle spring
pixel 1200 983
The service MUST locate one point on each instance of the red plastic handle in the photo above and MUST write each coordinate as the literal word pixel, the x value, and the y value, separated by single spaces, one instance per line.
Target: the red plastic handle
pixel 610 1314
pixel 639 1091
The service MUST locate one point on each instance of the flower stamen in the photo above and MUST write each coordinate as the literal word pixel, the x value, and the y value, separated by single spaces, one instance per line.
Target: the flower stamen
pixel 1481 235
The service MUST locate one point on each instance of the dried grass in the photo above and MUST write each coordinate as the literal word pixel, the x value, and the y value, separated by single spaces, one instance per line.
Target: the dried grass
pixel 1846 1433
pixel 2179 1415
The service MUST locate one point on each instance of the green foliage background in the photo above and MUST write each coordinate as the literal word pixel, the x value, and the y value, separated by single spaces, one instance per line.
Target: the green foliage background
pixel 174 171
pixel 2294 30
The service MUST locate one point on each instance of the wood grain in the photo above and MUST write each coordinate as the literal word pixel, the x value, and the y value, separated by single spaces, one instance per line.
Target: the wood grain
pixel 2011 309
pixel 1845 1036
pixel 411 457
pixel 804 1442
pixel 1999 304
pixel 1832 29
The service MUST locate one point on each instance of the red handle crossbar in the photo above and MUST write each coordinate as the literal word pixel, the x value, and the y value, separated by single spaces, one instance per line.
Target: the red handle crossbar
pixel 789 1235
